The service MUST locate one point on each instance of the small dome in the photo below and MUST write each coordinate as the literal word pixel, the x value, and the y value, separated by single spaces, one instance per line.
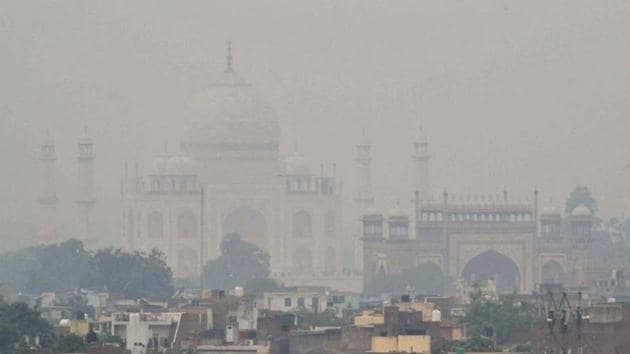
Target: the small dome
pixel 581 210
pixel 372 212
pixel 398 212
pixel 550 210
pixel 173 164
pixel 297 164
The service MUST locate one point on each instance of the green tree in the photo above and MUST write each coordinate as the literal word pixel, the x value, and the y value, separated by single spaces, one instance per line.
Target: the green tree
pixel 9 336
pixel 580 195
pixel 46 268
pixel 134 274
pixel 259 286
pixel 18 320
pixel 239 263
pixel 70 343
pixel 427 278
pixel 68 266
pixel 503 316
pixel 62 266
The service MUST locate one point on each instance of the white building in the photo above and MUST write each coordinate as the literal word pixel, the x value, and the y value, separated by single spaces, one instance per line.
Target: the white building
pixel 311 299
pixel 142 332
pixel 230 177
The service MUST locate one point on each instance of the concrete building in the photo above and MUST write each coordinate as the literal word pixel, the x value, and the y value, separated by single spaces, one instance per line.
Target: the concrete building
pixel 309 299
pixel 142 332
pixel 401 344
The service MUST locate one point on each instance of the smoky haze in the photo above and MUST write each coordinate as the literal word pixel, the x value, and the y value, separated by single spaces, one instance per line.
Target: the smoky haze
pixel 519 94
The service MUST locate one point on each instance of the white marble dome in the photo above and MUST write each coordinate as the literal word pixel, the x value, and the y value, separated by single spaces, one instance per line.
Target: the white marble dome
pixel 173 164
pixel 550 210
pixel 397 212
pixel 229 115
pixel 581 210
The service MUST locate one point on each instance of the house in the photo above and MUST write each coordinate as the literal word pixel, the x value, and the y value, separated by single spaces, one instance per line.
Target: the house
pixel 311 299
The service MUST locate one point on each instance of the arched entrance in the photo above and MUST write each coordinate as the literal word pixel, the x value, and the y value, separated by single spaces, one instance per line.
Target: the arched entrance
pixel 551 272
pixel 302 262
pixel 187 264
pixel 249 223
pixel 330 261
pixel 491 265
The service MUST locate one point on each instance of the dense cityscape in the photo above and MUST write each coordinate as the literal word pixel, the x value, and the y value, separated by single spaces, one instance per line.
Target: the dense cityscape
pixel 231 237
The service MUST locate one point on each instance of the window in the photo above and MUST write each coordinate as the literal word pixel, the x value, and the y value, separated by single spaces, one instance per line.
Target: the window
pixel 155 185
pixel 287 302
pixel 329 223
pixel 330 261
pixel 302 261
pixel 155 225
pixel 187 225
pixel 300 302
pixel 302 227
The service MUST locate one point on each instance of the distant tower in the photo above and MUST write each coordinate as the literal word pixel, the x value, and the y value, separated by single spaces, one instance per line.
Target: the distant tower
pixel 420 159
pixel 86 201
pixel 363 165
pixel 47 195
pixel 364 197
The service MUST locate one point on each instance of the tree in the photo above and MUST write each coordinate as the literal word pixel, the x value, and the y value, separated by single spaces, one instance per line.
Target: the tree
pixel 259 286
pixel 238 263
pixel 502 316
pixel 17 320
pixel 9 336
pixel 134 274
pixel 580 195
pixel 46 268
pixel 70 343
pixel 68 266
pixel 426 278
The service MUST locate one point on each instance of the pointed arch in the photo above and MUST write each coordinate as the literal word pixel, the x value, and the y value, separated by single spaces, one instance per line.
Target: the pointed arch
pixel 302 225
pixel 330 261
pixel 249 223
pixel 187 226
pixel 552 272
pixel 302 260
pixel 155 225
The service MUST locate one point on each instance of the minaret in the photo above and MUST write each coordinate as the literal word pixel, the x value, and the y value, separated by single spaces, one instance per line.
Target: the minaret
pixel 364 198
pixel 363 165
pixel 229 58
pixel 48 195
pixel 86 200
pixel 420 159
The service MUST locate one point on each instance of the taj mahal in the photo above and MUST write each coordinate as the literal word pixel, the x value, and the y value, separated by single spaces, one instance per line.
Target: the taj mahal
pixel 230 177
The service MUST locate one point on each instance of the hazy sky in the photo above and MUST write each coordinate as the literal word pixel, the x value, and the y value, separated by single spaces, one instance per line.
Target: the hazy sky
pixel 514 93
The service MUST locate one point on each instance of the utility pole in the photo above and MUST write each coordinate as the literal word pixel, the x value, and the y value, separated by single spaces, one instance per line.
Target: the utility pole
pixel 561 313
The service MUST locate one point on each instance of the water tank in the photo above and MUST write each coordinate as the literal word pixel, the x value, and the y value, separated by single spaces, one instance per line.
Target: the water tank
pixel 436 316
pixel 238 291
pixel 64 323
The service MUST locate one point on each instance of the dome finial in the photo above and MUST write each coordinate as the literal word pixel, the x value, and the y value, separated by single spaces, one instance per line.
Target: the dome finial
pixel 229 68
